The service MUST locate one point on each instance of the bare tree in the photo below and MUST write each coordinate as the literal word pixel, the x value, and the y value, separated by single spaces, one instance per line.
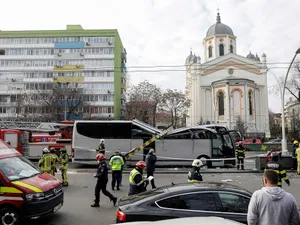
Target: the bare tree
pixel 144 99
pixel 176 103
pixel 240 126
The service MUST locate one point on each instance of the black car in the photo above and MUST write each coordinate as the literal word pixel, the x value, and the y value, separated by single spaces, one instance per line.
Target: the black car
pixel 186 200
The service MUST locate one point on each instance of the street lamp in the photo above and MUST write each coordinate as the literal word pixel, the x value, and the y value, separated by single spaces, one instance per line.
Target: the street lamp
pixel 284 141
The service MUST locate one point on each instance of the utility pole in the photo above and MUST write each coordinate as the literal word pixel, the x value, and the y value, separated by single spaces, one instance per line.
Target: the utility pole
pixel 294 125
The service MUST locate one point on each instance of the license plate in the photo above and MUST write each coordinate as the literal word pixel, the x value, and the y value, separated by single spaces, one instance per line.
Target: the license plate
pixel 56 208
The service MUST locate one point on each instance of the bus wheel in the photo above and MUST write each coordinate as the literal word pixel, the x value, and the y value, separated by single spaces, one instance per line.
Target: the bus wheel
pixel 204 158
pixel 9 216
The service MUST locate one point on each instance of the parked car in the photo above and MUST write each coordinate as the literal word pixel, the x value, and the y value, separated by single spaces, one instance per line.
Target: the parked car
pixel 201 199
pixel 190 221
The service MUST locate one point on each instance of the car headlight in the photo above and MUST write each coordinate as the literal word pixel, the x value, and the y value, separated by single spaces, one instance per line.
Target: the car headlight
pixel 35 196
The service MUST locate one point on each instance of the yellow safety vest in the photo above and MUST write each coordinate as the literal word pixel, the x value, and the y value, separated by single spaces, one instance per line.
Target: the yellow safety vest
pixel 45 163
pixel 298 154
pixel 132 175
pixel 116 163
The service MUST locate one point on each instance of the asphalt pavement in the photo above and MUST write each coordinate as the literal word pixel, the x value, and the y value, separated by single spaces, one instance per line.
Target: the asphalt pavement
pixel 80 194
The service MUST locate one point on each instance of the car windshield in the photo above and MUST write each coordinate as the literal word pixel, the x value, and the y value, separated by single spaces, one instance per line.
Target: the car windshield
pixel 17 168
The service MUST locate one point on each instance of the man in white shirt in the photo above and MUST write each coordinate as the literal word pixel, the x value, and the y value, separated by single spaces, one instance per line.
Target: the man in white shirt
pixel 272 205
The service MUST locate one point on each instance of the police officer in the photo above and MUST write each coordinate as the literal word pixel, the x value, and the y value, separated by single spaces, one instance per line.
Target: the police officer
pixel 54 161
pixel 101 147
pixel 136 182
pixel 274 165
pixel 102 176
pixel 46 161
pixel 116 162
pixel 240 155
pixel 194 174
pixel 298 159
pixel 122 167
pixel 64 161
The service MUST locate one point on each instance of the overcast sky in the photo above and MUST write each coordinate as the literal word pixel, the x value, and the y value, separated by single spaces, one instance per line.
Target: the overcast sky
pixel 161 32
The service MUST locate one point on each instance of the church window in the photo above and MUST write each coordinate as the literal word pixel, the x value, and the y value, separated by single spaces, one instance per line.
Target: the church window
pixel 221 49
pixel 250 103
pixel 231 48
pixel 209 51
pixel 221 104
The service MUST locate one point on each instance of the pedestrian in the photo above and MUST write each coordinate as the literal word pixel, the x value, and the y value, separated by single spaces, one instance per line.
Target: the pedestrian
pixel 271 205
pixel 194 175
pixel 46 161
pixel 122 168
pixel 137 184
pixel 64 163
pixel 102 180
pixel 298 160
pixel 116 162
pixel 240 155
pixel 295 146
pixel 275 165
pixel 101 147
pixel 150 162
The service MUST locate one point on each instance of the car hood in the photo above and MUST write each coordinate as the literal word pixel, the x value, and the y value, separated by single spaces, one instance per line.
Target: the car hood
pixel 190 221
pixel 40 183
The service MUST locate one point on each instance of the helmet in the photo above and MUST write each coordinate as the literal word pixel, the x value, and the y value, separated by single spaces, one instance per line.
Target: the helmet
pixel 45 150
pixel 296 142
pixel 63 150
pixel 101 141
pixel 141 164
pixel 99 157
pixel 197 163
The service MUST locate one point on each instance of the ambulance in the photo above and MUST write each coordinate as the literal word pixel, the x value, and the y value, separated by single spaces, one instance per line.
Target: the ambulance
pixel 25 192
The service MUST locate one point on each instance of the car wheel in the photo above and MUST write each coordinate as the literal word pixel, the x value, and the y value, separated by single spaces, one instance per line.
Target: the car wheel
pixel 9 216
pixel 204 159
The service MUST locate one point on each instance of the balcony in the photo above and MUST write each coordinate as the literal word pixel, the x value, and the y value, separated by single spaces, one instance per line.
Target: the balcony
pixel 79 79
pixel 68 68
pixel 123 97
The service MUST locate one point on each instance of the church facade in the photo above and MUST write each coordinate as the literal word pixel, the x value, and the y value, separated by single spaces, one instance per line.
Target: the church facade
pixel 227 87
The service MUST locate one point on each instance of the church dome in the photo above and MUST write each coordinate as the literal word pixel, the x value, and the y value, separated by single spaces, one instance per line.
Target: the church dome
pixel 219 28
pixel 250 56
pixel 190 58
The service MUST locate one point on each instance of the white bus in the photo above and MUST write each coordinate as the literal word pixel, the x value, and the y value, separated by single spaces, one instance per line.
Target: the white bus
pixel 178 147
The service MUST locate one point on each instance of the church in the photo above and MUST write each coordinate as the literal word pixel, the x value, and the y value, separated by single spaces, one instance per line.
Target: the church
pixel 227 87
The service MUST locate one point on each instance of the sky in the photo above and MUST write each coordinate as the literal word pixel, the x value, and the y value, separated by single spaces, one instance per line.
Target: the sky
pixel 162 32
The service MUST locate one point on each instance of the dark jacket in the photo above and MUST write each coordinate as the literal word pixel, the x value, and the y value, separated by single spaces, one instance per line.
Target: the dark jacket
pixel 194 175
pixel 150 162
pixel 274 165
pixel 240 152
pixel 102 172
pixel 139 185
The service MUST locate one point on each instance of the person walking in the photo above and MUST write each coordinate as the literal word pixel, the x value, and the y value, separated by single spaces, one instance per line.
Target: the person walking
pixel 102 180
pixel 271 205
pixel 116 162
pixel 64 164
pixel 137 184
pixel 240 155
pixel 45 162
pixel 275 165
pixel 194 175
pixel 150 162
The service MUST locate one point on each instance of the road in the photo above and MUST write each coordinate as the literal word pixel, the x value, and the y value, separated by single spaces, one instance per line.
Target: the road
pixel 79 195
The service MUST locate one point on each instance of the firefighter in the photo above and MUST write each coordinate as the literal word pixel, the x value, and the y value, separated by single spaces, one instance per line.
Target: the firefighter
pixel 295 146
pixel 194 175
pixel 102 176
pixel 275 165
pixel 64 160
pixel 298 159
pixel 240 155
pixel 54 161
pixel 137 184
pixel 101 147
pixel 46 161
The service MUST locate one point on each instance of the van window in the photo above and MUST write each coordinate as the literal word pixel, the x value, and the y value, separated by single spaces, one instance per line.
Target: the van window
pixel 17 168
pixel 13 138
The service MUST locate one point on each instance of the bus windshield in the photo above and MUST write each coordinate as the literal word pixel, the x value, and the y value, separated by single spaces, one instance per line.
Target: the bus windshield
pixel 18 168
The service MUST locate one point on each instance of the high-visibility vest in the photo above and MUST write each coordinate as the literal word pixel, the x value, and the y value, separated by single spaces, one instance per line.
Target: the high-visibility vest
pixel 298 154
pixel 116 163
pixel 132 175
pixel 45 163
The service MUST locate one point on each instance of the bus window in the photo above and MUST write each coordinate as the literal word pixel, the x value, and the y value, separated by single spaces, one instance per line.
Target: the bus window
pixel 105 130
pixel 180 135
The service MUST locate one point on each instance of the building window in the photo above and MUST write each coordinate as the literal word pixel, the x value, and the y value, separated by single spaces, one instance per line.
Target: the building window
pixel 221 103
pixel 231 49
pixel 209 52
pixel 221 49
pixel 250 103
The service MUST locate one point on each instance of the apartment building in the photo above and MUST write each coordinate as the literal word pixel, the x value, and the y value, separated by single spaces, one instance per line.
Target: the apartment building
pixel 35 64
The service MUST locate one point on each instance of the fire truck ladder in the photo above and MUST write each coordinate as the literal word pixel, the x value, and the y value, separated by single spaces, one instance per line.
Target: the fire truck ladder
pixel 17 124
